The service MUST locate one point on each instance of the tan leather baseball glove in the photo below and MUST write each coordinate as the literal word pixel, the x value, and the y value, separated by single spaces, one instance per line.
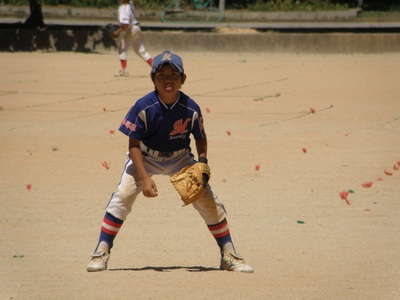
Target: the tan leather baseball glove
pixel 191 181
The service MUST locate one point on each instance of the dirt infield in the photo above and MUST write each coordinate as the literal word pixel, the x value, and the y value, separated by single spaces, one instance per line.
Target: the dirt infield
pixel 287 134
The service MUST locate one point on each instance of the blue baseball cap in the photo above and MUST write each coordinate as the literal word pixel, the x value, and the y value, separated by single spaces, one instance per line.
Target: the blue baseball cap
pixel 167 57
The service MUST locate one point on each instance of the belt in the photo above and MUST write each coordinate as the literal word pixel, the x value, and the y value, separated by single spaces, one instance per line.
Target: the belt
pixel 147 151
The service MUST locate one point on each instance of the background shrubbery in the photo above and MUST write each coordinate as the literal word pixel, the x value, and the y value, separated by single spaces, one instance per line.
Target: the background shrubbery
pixel 253 5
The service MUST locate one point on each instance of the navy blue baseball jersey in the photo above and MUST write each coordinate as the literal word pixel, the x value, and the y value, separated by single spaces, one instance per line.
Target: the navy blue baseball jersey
pixel 163 128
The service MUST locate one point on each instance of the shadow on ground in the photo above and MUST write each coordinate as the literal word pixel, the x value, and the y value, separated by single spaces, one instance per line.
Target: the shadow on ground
pixel 168 269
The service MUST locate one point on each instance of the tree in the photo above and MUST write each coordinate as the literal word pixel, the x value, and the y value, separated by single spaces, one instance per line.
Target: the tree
pixel 35 20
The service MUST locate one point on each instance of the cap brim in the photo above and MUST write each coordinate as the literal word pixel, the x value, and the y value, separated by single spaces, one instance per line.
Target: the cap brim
pixel 155 68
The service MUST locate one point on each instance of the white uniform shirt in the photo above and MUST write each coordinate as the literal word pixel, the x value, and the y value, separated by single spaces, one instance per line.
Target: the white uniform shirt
pixel 126 15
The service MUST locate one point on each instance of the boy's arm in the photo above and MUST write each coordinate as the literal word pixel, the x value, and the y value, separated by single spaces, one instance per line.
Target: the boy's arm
pixel 121 28
pixel 201 147
pixel 132 7
pixel 149 188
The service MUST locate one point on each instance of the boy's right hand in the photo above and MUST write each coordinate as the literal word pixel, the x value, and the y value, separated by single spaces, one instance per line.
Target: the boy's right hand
pixel 149 188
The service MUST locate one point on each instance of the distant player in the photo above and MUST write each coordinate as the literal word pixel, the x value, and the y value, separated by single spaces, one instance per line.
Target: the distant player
pixel 159 127
pixel 129 34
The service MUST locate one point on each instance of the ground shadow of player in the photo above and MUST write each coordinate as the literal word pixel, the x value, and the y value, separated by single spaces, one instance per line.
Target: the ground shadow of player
pixel 169 269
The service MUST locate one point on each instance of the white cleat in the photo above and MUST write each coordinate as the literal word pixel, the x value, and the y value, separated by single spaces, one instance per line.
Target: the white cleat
pixel 122 73
pixel 235 262
pixel 99 261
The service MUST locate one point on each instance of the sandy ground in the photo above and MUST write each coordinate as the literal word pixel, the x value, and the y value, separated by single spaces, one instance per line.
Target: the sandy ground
pixel 58 113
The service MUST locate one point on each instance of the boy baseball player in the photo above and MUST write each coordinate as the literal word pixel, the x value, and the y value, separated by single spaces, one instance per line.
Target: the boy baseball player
pixel 129 34
pixel 159 126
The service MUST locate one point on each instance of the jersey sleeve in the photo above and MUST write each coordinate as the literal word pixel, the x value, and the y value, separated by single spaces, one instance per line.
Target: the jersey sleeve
pixel 198 125
pixel 133 125
pixel 124 13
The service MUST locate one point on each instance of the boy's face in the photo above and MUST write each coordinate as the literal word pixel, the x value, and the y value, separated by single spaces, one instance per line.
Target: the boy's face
pixel 168 80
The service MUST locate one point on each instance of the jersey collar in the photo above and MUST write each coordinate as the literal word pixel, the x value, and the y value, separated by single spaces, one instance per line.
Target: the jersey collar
pixel 172 106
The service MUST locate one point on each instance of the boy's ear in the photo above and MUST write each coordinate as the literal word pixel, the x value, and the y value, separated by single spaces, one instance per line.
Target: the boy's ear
pixel 183 79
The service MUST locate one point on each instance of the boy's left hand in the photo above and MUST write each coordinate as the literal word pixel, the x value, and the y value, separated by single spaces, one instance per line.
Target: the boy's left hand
pixel 191 182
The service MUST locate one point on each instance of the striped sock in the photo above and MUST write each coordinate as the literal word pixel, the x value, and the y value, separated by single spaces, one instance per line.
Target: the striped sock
pixel 221 233
pixel 109 229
